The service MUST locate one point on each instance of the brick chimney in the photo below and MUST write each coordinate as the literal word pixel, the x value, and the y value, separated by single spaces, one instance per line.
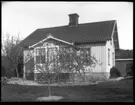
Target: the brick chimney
pixel 73 19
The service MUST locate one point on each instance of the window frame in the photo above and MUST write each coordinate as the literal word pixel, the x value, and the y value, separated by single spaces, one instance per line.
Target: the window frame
pixel 109 57
pixel 113 58
pixel 42 48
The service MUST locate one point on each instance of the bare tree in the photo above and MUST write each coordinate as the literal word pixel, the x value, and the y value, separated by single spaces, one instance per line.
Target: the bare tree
pixel 12 51
pixel 50 62
pixel 68 60
pixel 44 67
pixel 76 60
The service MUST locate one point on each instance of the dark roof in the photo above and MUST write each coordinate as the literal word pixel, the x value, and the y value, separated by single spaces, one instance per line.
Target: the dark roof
pixel 123 54
pixel 89 32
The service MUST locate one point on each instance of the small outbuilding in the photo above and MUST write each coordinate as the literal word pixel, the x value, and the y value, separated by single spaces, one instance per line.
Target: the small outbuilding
pixel 123 64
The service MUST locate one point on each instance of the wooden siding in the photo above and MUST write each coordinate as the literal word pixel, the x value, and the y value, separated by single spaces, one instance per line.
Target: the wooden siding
pixel 97 51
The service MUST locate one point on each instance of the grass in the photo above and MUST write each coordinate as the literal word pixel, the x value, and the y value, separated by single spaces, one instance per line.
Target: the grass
pixel 103 92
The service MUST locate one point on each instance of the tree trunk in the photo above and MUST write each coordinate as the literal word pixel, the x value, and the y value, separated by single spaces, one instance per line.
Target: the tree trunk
pixel 83 78
pixel 49 88
pixel 17 73
pixel 58 78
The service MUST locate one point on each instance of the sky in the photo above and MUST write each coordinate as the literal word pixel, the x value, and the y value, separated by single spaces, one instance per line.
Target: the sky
pixel 25 17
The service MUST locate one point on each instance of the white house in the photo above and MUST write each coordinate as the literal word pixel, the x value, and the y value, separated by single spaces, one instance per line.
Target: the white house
pixel 100 37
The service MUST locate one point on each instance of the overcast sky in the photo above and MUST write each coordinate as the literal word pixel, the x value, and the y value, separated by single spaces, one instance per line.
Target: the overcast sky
pixel 26 17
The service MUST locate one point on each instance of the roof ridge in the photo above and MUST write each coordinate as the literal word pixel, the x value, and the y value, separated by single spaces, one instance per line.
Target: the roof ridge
pixel 52 27
pixel 75 26
pixel 98 22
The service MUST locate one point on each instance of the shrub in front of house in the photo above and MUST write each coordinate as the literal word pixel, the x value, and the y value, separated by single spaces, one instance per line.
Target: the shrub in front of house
pixel 4 80
pixel 114 72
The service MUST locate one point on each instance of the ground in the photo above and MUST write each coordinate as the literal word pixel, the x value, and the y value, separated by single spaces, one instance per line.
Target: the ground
pixel 118 91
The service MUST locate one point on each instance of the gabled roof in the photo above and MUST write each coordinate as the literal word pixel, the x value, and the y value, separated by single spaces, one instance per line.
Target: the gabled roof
pixel 89 32
pixel 48 38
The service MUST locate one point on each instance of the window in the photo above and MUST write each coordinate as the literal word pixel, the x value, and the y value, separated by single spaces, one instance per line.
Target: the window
pixel 108 56
pixel 37 52
pixel 40 55
pixel 47 48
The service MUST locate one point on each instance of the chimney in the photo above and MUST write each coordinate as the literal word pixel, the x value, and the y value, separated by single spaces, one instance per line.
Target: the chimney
pixel 73 19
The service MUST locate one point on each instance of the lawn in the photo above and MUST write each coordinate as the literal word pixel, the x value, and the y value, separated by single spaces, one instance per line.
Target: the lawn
pixel 121 91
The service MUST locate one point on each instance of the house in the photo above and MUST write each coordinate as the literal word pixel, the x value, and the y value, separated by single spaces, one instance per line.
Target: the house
pixel 100 37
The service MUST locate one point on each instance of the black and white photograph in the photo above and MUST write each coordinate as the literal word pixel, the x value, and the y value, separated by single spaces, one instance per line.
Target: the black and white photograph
pixel 66 51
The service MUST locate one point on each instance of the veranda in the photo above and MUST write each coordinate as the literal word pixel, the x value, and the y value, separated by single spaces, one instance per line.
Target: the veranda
pixel 61 63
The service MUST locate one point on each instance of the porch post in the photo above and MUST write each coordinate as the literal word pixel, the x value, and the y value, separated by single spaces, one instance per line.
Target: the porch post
pixel 24 76
pixel 35 78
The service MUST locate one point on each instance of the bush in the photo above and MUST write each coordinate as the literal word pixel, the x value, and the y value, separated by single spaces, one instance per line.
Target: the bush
pixel 129 69
pixel 114 72
pixel 4 80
